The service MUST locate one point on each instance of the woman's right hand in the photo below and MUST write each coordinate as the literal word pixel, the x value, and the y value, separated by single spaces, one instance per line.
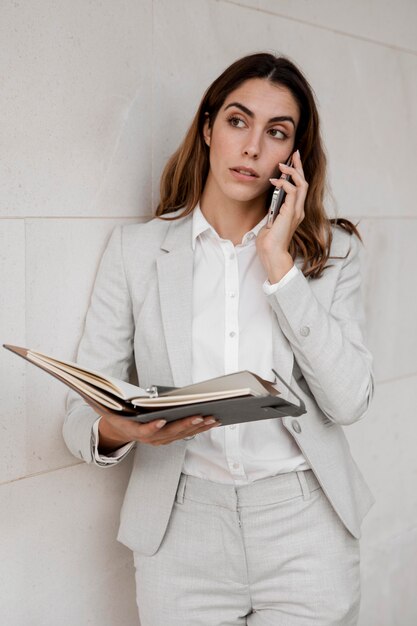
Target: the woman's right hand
pixel 115 431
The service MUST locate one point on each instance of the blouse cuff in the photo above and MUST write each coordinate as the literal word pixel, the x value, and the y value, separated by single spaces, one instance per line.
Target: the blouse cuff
pixel 270 289
pixel 112 457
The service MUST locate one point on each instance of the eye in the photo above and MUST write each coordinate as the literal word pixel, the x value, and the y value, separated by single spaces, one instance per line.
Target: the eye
pixel 278 134
pixel 236 121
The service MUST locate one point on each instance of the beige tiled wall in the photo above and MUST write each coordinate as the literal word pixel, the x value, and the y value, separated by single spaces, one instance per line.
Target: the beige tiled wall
pixel 95 97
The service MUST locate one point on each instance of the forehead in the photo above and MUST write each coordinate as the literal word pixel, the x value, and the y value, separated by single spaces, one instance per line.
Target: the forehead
pixel 265 99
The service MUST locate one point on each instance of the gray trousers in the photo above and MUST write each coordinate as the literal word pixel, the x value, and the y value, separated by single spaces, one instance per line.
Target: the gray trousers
pixel 272 553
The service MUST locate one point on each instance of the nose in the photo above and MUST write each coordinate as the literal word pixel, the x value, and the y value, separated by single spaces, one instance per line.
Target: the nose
pixel 251 152
pixel 252 146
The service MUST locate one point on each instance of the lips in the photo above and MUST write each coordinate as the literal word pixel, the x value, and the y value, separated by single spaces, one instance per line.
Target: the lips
pixel 245 171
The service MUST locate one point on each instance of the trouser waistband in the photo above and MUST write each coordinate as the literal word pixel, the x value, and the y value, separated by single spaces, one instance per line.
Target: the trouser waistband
pixel 258 493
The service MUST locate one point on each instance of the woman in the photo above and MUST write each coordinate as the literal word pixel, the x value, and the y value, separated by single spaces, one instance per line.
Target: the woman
pixel 256 523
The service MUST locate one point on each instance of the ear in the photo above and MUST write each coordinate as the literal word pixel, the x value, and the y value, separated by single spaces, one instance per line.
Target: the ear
pixel 207 130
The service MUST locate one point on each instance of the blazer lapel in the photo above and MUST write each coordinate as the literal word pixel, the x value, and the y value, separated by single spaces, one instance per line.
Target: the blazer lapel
pixel 175 279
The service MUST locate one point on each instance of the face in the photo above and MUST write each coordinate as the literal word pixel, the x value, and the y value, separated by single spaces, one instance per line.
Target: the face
pixel 253 131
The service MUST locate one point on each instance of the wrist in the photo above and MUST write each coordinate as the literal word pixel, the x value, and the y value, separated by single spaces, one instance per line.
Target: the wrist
pixel 108 437
pixel 280 266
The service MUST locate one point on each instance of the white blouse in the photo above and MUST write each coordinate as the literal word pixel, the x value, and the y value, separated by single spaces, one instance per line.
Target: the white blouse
pixel 231 331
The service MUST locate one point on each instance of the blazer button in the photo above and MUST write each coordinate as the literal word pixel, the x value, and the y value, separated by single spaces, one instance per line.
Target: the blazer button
pixel 304 331
pixel 296 426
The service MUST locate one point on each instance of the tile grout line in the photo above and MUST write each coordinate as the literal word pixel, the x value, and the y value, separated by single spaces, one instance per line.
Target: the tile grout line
pixel 41 473
pixel 386 381
pixel 326 28
pixel 390 539
pixel 385 217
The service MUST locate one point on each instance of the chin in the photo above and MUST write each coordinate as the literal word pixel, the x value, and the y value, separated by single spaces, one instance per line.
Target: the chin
pixel 243 195
pixel 245 199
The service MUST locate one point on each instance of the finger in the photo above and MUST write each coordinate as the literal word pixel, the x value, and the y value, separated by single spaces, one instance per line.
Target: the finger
pixel 291 212
pixel 177 424
pixel 185 425
pixel 288 187
pixel 186 428
pixel 295 195
pixel 297 175
pixel 190 434
pixel 179 428
pixel 166 437
pixel 145 432
pixel 296 161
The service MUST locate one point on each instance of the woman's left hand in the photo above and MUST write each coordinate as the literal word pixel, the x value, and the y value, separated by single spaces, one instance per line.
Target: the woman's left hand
pixel 273 243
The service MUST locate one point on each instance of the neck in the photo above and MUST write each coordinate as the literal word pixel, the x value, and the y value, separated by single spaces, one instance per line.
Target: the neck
pixel 231 219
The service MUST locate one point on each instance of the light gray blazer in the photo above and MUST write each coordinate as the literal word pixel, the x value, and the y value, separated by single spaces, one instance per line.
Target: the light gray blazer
pixel 140 315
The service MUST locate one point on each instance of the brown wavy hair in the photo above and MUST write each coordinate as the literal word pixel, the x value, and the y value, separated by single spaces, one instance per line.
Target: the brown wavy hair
pixel 185 173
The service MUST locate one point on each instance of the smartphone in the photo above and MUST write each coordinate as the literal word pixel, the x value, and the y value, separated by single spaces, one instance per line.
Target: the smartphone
pixel 278 198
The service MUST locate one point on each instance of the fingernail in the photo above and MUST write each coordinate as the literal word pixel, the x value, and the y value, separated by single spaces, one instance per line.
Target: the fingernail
pixel 274 180
pixel 210 421
pixel 298 152
pixel 161 423
pixel 197 420
pixel 283 164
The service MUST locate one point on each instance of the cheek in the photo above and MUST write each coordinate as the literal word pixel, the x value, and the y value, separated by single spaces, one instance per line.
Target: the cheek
pixel 222 142
pixel 274 170
pixel 219 150
pixel 275 156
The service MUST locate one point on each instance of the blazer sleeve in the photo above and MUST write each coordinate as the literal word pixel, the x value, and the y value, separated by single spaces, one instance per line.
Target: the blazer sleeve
pixel 328 344
pixel 106 344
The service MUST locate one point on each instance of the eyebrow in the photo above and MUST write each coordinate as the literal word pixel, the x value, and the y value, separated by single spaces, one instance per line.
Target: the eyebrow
pixel 279 118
